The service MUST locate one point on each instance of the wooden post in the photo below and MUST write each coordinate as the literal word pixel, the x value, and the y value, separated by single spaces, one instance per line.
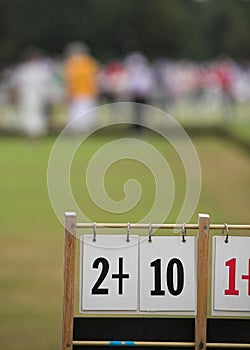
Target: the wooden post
pixel 69 279
pixel 202 285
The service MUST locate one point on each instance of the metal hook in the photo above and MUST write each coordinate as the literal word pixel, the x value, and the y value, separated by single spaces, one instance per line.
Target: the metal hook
pixel 227 232
pixel 94 232
pixel 128 231
pixel 184 233
pixel 150 232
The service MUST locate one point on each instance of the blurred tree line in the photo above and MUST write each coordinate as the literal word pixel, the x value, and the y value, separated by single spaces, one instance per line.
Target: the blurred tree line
pixel 173 28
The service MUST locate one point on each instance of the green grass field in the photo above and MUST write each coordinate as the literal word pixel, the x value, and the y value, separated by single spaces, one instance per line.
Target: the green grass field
pixel 31 249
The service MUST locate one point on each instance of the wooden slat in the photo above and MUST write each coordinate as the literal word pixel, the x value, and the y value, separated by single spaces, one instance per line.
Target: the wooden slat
pixel 157 344
pixel 162 226
pixel 132 343
pixel 202 285
pixel 69 277
pixel 139 226
pixel 228 345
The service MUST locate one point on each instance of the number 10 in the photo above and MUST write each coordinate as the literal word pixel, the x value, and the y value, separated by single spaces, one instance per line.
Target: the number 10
pixel 156 264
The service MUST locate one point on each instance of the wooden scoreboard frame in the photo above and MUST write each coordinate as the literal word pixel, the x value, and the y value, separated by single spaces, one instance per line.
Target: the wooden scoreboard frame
pixel 197 333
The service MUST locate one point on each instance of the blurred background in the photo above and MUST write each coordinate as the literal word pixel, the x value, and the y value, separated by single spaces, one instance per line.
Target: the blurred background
pixel 192 56
pixel 60 58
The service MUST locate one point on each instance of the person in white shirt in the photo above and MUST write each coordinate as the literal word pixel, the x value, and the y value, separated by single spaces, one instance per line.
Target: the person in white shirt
pixel 30 82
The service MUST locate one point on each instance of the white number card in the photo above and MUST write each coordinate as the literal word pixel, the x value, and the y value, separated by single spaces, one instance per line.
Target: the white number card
pixel 231 275
pixel 168 274
pixel 109 273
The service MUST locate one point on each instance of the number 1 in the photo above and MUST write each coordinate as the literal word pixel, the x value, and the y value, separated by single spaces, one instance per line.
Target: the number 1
pixel 157 266
pixel 231 278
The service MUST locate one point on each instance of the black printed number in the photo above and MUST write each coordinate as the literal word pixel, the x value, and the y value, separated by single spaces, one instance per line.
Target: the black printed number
pixel 157 266
pixel 170 277
pixel 120 276
pixel 174 290
pixel 105 268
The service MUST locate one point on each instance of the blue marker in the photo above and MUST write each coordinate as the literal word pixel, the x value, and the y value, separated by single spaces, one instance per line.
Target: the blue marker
pixel 129 343
pixel 115 343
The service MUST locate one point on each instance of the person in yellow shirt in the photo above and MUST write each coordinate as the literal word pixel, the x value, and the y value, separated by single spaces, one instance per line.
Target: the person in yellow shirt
pixel 80 71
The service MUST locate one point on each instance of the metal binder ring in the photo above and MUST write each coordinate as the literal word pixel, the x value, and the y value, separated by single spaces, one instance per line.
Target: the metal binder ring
pixel 184 233
pixel 227 233
pixel 128 231
pixel 94 232
pixel 150 232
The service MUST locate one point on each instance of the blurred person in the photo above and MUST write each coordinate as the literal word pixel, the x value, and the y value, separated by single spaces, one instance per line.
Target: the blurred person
pixel 217 85
pixel 80 73
pixel 140 84
pixel 29 92
pixel 112 81
pixel 163 91
pixel 225 75
pixel 112 85
pixel 56 107
pixel 241 86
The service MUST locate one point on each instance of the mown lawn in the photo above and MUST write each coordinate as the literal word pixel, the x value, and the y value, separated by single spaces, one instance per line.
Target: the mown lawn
pixel 31 249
